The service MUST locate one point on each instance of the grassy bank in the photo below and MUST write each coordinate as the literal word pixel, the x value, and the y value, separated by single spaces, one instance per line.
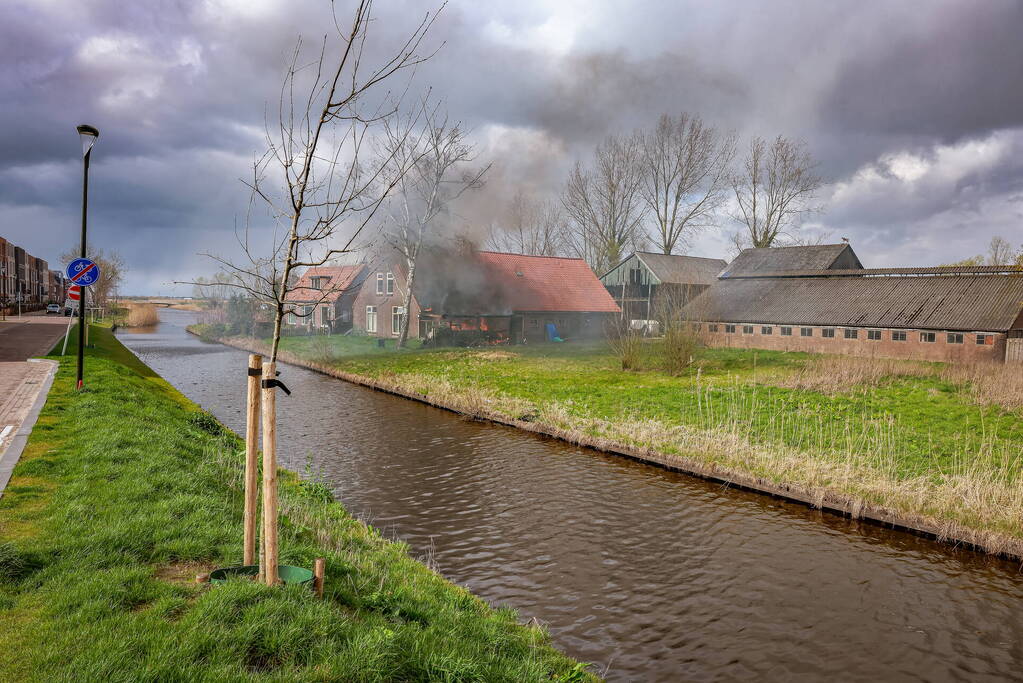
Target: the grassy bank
pixel 937 446
pixel 126 491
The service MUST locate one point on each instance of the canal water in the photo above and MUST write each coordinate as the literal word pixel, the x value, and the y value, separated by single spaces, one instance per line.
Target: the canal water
pixel 650 575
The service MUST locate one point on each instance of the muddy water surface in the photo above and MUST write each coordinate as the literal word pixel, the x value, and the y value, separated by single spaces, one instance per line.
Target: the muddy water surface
pixel 648 574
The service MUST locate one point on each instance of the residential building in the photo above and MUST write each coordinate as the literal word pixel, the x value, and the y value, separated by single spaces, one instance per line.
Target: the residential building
pixel 322 299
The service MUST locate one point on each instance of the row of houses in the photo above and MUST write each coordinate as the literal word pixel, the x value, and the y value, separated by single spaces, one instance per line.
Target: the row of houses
pixel 26 280
pixel 814 298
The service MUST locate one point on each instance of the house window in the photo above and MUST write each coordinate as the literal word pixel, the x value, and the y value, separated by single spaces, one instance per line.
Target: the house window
pixel 396 320
pixel 805 331
pixel 954 338
pixel 307 313
pixel 318 282
pixel 874 335
pixel 899 336
pixel 714 328
pixel 291 318
pixel 729 329
pixel 983 339
pixel 532 322
pixel 852 334
pixel 747 329
pixel 927 337
pixel 828 332
pixel 371 318
pixel 786 331
pixel 380 283
pixel 390 283
pixel 766 330
pixel 325 315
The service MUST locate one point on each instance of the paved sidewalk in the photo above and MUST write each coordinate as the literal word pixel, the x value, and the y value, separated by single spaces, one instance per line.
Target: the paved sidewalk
pixel 24 383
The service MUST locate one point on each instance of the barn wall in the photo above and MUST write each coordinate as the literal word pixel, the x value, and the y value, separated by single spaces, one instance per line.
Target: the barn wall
pixel 913 348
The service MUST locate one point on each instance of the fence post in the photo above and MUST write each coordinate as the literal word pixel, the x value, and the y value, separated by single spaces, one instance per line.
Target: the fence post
pixel 318 571
pixel 251 459
pixel 270 474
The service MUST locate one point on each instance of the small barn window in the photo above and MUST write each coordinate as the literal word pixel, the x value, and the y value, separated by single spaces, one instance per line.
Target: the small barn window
pixel 747 329
pixel 766 330
pixel 828 332
pixel 954 338
pixel 852 334
pixel 786 331
pixel 983 339
pixel 927 337
pixel 899 336
pixel 729 329
pixel 874 335
pixel 714 328
pixel 805 331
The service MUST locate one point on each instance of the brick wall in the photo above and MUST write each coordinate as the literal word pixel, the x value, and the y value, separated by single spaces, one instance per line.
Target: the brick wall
pixel 384 303
pixel 886 347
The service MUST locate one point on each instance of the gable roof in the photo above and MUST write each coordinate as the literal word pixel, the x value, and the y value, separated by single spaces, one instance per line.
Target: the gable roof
pixel 684 270
pixel 869 298
pixel 778 259
pixel 341 279
pixel 547 283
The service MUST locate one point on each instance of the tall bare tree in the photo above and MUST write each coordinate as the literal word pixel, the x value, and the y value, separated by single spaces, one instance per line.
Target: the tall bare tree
pixel 426 161
pixel 1000 252
pixel 315 180
pixel 775 188
pixel 686 167
pixel 604 203
pixel 534 227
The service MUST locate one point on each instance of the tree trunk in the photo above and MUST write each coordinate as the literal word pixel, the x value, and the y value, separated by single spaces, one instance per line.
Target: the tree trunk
pixel 407 305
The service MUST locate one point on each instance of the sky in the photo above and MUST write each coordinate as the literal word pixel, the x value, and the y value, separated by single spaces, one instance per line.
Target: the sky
pixel 914 111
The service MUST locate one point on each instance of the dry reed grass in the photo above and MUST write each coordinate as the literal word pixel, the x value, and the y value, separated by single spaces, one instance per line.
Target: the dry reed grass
pixel 835 374
pixel 141 315
pixel 999 384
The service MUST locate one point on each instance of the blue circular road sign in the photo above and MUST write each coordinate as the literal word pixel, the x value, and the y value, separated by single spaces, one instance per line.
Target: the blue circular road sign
pixel 82 271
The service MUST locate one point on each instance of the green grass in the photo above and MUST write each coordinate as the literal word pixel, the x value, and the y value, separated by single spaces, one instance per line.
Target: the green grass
pixel 126 491
pixel 912 438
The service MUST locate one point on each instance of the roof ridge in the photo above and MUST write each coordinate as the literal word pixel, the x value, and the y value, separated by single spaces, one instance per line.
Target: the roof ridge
pixel 508 253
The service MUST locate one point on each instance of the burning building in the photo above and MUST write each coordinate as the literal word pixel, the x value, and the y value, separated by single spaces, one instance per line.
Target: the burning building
pixel 507 298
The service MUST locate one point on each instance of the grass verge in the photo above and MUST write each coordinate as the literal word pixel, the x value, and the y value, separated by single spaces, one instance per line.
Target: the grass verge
pixel 933 447
pixel 126 491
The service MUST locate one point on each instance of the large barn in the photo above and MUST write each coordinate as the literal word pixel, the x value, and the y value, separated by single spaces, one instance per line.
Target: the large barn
pixel 938 314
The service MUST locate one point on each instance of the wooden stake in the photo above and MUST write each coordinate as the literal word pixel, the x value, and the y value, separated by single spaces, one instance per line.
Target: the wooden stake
pixel 319 567
pixel 251 459
pixel 270 476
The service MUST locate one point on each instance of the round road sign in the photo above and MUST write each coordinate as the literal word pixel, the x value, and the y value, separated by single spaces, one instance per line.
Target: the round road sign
pixel 82 271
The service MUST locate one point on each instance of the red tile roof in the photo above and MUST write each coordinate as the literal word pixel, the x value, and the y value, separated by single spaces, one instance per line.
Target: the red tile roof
pixel 548 283
pixel 341 278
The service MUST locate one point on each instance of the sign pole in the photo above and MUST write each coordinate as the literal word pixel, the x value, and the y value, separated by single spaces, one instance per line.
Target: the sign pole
pixel 81 303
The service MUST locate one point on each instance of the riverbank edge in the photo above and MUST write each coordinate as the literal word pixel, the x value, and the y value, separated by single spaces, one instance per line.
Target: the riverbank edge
pixel 294 501
pixel 830 501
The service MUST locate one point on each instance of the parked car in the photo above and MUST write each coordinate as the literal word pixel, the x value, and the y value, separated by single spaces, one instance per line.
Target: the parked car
pixel 52 308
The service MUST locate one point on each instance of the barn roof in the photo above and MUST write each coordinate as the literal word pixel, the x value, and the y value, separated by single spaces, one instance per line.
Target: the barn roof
pixel 776 259
pixel 686 270
pixel 547 283
pixel 341 280
pixel 958 301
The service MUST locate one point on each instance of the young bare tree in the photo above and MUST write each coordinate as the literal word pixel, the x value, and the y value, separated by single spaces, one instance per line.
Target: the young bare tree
pixel 530 227
pixel 426 162
pixel 112 271
pixel 604 204
pixel 776 187
pixel 686 167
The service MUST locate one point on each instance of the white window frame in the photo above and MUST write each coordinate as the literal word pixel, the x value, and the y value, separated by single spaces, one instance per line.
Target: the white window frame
pixel 390 283
pixel 371 318
pixel 395 320
pixel 380 284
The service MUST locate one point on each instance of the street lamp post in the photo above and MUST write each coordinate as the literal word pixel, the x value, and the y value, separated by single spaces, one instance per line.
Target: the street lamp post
pixel 88 135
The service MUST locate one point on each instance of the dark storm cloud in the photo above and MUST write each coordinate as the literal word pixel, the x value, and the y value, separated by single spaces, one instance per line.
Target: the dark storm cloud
pixel 914 110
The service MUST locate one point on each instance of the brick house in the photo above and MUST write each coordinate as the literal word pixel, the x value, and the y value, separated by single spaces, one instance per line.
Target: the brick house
pixel 958 314
pixel 645 283
pixel 512 297
pixel 322 299
pixel 378 307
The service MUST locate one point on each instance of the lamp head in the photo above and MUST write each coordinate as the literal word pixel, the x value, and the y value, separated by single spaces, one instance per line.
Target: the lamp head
pixel 88 134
